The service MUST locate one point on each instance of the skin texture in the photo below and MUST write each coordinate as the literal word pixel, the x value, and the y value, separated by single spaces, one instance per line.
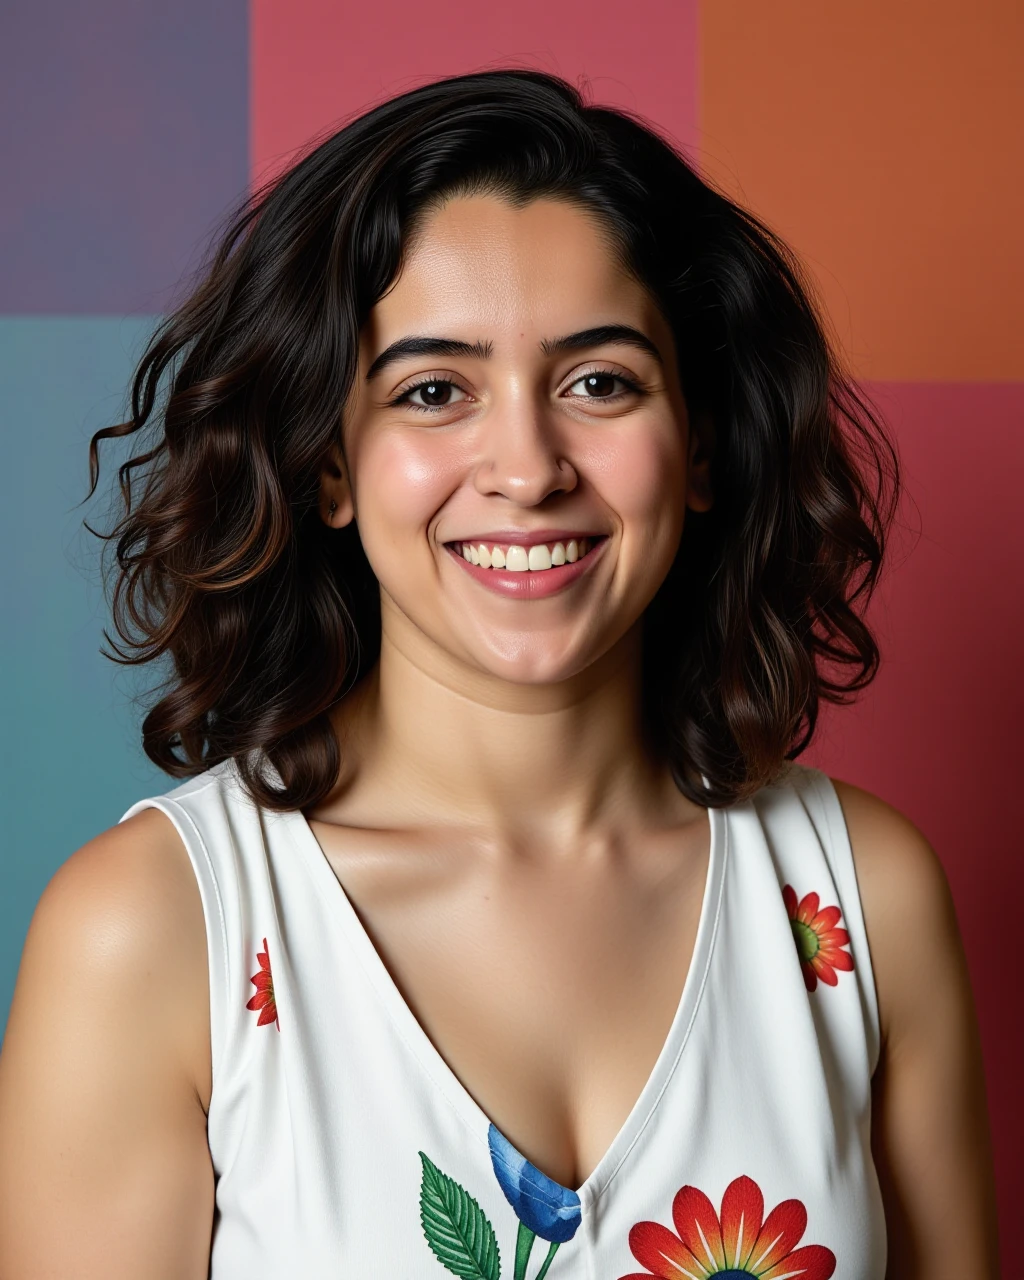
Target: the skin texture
pixel 497 798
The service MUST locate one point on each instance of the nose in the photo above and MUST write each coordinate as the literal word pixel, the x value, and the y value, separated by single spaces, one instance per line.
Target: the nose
pixel 521 455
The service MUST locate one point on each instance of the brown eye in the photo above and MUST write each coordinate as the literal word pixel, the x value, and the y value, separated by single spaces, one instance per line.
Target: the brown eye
pixel 599 384
pixel 435 393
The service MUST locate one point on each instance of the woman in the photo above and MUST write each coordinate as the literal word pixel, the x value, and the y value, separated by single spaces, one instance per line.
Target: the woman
pixel 507 520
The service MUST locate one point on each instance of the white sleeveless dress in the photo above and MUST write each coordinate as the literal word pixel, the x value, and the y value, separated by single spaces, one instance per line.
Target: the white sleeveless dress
pixel 344 1145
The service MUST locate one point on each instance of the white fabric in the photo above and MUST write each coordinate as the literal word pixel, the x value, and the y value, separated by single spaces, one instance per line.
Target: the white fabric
pixel 317 1121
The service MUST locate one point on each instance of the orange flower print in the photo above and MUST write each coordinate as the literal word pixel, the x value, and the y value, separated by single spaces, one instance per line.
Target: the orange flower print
pixel 819 943
pixel 263 981
pixel 739 1243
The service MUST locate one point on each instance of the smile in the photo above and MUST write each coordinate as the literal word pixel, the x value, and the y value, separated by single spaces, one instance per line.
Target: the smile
pixel 520 559
pixel 534 571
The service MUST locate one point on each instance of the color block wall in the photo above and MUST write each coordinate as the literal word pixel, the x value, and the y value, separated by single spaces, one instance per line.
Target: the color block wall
pixel 878 138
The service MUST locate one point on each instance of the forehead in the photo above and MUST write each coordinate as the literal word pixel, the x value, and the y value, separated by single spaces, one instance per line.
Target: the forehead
pixel 480 262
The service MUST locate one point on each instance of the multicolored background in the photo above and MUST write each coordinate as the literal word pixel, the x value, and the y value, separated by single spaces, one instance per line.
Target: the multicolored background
pixel 878 137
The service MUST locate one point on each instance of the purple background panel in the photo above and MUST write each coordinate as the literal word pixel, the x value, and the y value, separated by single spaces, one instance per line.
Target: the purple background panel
pixel 125 142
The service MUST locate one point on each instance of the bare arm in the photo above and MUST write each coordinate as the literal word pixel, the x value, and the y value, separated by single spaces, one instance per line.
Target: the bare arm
pixel 930 1129
pixel 104 1075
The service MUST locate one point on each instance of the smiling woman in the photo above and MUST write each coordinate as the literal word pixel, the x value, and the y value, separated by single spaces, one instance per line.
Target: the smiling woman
pixel 507 427
pixel 435 228
pixel 504 521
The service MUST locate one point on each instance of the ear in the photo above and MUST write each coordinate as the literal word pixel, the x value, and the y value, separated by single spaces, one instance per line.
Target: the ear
pixel 335 487
pixel 699 495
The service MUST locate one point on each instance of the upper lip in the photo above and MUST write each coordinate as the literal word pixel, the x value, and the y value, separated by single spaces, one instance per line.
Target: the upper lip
pixel 530 537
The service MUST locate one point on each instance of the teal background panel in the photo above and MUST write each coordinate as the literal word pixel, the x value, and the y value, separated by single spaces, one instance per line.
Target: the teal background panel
pixel 71 761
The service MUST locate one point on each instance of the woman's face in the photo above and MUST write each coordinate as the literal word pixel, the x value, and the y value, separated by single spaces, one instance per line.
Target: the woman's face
pixel 517 394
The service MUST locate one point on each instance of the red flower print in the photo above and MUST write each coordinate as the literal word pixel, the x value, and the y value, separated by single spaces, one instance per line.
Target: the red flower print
pixel 738 1243
pixel 264 984
pixel 819 944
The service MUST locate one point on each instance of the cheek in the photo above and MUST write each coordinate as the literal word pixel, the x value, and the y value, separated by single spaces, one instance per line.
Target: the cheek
pixel 641 476
pixel 401 481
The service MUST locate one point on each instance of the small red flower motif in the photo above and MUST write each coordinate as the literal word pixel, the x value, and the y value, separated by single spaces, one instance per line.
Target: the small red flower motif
pixel 738 1242
pixel 264 984
pixel 819 943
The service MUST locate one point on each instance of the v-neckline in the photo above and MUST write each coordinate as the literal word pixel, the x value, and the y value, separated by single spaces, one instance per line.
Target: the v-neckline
pixel 436 1066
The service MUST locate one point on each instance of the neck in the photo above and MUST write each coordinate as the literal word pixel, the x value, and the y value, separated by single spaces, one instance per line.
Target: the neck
pixel 436 743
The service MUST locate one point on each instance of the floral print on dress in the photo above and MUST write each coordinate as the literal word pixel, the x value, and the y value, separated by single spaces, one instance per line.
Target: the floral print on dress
pixel 460 1234
pixel 738 1243
pixel 544 1207
pixel 264 999
pixel 819 943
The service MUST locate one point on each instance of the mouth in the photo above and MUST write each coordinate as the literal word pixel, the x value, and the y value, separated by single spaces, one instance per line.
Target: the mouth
pixel 525 557
pixel 521 569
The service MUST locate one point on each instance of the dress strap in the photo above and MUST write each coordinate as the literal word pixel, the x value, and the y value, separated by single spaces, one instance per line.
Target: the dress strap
pixel 813 792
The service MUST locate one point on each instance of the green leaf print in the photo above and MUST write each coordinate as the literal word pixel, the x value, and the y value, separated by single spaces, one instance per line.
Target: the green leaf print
pixel 456 1228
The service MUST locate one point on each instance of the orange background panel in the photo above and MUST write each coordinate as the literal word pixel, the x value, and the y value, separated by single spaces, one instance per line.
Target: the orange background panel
pixel 883 140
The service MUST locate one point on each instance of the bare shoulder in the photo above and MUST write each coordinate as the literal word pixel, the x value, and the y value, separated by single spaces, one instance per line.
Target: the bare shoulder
pixel 121 874
pixel 908 908
pixel 135 872
pixel 929 1125
pixel 893 857
pixel 122 919
pixel 104 1071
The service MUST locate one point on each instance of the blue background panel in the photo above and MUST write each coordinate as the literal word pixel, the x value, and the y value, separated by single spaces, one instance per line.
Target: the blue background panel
pixel 70 759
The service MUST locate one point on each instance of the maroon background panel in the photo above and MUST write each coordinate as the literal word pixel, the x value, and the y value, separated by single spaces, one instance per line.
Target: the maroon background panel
pixel 938 734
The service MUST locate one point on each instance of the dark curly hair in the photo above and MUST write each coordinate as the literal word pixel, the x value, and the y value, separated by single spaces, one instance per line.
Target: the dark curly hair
pixel 268 617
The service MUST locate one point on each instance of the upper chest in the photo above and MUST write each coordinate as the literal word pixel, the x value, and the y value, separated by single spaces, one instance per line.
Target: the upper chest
pixel 547 985
pixel 440 992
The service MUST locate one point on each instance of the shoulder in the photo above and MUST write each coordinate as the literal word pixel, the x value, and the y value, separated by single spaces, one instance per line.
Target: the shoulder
pixel 128 891
pixel 894 859
pixel 122 920
pixel 104 1068
pixel 908 909
pixel 929 1123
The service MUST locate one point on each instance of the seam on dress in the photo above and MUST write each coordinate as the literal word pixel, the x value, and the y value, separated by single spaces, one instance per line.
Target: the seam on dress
pixel 828 796
pixel 385 998
pixel 159 802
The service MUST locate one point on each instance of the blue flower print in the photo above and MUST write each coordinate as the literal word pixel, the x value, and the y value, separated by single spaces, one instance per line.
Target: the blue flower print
pixel 550 1210
pixel 544 1207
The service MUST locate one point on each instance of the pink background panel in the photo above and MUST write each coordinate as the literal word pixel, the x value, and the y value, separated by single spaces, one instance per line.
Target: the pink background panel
pixel 316 62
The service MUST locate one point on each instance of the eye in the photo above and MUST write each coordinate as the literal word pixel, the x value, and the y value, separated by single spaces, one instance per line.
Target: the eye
pixel 601 385
pixel 431 393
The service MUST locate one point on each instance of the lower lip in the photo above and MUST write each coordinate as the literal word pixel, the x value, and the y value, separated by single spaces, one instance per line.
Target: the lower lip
pixel 532 584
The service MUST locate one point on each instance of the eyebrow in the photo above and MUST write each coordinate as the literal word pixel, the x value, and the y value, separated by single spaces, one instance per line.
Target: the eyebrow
pixel 622 334
pixel 427 347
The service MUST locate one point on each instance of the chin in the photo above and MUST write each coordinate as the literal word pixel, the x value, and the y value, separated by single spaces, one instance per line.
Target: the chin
pixel 527 662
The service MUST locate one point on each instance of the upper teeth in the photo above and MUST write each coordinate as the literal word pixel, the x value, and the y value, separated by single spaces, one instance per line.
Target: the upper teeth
pixel 518 559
